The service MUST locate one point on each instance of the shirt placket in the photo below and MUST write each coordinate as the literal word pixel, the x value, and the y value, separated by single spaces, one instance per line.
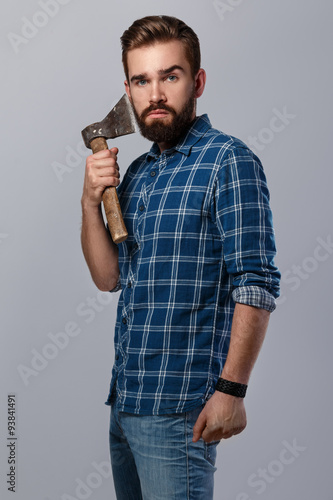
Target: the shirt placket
pixel 127 311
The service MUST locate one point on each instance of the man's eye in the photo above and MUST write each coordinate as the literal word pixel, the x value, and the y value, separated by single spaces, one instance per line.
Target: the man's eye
pixel 172 78
pixel 141 83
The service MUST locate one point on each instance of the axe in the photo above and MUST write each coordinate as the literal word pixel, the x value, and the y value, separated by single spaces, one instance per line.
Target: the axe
pixel 120 121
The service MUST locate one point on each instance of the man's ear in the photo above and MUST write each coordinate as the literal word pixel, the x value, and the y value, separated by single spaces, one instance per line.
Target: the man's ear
pixel 128 90
pixel 200 82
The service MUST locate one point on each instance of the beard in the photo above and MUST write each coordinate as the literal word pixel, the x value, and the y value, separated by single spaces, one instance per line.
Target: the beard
pixel 169 133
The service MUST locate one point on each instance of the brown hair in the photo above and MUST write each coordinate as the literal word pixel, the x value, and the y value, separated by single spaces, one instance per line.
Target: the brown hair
pixel 152 29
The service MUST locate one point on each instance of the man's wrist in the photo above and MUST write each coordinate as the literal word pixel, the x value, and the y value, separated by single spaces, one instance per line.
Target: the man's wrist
pixel 232 388
pixel 88 206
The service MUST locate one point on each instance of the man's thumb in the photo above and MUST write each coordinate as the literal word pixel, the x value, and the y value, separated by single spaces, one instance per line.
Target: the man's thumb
pixel 198 428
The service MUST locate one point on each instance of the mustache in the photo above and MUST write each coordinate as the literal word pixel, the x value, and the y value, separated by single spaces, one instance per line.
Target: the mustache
pixel 154 107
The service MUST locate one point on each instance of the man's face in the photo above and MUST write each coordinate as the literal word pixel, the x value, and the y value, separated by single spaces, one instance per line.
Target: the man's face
pixel 162 91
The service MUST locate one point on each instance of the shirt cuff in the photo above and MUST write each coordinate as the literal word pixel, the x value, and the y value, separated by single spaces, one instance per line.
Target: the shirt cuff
pixel 117 287
pixel 254 296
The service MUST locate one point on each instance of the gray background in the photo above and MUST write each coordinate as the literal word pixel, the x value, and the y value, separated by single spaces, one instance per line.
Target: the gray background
pixel 261 58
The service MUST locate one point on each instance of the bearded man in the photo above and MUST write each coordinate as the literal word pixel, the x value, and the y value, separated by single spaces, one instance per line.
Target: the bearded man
pixel 197 275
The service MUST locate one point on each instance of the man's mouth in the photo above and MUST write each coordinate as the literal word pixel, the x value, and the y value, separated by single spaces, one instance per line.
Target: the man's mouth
pixel 158 113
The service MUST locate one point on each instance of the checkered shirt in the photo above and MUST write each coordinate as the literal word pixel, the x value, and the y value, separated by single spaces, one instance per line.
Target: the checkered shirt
pixel 200 239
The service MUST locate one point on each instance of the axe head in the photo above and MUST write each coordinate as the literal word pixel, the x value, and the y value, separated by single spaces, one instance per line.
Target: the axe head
pixel 120 121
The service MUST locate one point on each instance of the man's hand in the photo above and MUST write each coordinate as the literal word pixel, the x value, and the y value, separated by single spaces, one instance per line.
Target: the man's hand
pixel 102 171
pixel 222 417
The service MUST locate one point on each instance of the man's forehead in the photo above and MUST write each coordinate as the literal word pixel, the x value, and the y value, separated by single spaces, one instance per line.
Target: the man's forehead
pixel 157 57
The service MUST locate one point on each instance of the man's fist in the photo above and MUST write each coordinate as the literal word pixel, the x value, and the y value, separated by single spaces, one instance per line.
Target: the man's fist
pixel 223 416
pixel 101 172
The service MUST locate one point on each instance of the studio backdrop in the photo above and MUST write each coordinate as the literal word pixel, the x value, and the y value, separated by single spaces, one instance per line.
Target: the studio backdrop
pixel 269 82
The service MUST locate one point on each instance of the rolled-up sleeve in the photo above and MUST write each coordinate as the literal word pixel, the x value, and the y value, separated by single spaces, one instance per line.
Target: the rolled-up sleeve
pixel 245 222
pixel 117 287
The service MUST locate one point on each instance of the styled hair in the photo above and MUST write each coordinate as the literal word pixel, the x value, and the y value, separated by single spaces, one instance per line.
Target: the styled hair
pixel 152 29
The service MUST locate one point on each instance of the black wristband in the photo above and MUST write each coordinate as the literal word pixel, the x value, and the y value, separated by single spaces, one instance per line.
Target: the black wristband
pixel 232 388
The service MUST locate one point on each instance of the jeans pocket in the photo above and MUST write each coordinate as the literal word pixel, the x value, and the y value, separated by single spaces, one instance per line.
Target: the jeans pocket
pixel 210 452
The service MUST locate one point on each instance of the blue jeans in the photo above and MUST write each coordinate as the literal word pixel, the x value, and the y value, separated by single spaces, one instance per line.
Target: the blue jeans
pixel 154 458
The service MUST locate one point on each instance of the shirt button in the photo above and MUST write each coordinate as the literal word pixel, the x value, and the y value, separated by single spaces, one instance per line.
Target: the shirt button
pixel 141 208
pixel 152 173
pixel 116 357
pixel 124 321
pixel 129 284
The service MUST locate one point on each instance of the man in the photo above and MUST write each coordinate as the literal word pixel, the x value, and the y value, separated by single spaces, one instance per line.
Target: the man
pixel 197 276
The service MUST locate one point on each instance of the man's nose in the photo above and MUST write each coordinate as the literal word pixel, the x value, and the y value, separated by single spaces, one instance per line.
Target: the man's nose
pixel 157 93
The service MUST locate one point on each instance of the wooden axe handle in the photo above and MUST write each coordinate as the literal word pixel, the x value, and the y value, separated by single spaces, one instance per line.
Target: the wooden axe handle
pixel 110 201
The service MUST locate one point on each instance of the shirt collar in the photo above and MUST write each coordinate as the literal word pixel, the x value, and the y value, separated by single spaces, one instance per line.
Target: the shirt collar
pixel 188 140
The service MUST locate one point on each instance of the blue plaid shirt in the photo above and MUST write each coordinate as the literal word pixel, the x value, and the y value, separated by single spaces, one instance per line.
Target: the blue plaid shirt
pixel 200 239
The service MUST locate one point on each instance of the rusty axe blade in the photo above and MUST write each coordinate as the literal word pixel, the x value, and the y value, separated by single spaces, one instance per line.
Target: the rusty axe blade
pixel 120 121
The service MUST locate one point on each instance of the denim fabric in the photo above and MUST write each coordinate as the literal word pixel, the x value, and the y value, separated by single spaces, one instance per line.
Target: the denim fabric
pixel 154 458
